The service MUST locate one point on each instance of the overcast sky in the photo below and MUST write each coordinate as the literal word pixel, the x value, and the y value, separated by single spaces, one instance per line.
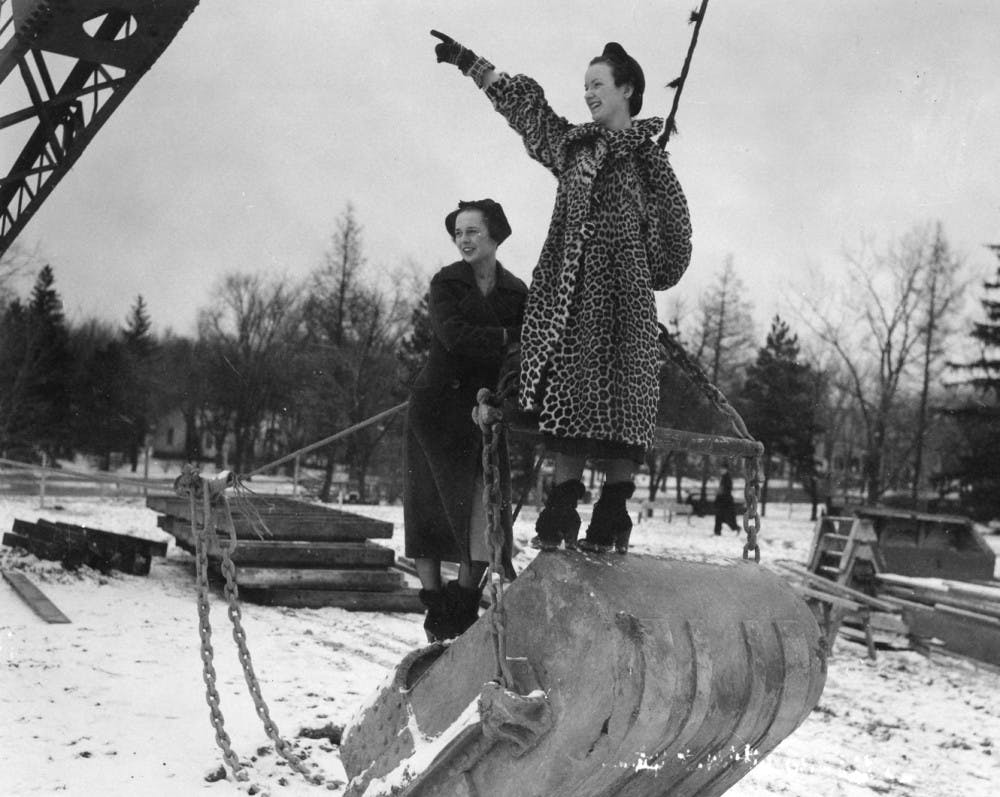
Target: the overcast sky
pixel 804 125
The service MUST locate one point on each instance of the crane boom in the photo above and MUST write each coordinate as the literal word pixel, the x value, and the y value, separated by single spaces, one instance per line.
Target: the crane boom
pixel 77 61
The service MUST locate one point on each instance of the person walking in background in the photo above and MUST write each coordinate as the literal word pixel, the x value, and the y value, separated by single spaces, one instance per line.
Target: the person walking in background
pixel 725 505
pixel 476 310
pixel 620 230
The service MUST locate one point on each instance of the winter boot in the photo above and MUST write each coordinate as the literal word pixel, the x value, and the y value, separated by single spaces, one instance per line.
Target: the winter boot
pixel 559 522
pixel 463 606
pixel 437 623
pixel 611 524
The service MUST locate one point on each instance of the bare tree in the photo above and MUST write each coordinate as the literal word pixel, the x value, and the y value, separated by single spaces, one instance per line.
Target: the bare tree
pixel 250 335
pixel 355 324
pixel 877 329
pixel 723 337
pixel 943 290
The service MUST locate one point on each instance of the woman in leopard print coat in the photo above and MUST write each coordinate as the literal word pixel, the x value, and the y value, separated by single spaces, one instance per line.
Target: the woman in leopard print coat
pixel 620 230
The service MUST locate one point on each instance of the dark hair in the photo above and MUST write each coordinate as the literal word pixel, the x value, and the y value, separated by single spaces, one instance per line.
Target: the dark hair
pixel 624 69
pixel 496 220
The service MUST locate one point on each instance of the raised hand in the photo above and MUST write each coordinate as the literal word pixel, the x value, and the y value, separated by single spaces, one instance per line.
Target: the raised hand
pixel 449 50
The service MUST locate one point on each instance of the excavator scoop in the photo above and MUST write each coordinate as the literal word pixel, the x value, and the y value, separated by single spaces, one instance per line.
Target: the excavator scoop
pixel 633 675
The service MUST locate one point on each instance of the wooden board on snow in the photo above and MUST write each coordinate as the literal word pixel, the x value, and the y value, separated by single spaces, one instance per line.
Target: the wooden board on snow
pixel 34 597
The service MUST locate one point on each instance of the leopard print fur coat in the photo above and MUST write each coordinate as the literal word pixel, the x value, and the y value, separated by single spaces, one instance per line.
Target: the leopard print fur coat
pixel 620 230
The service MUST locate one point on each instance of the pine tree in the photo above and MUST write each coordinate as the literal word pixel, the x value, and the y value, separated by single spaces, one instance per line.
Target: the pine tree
pixel 139 351
pixel 35 372
pixel 777 404
pixel 979 416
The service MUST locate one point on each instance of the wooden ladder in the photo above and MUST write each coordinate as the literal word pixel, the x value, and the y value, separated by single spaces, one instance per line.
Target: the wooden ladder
pixel 840 544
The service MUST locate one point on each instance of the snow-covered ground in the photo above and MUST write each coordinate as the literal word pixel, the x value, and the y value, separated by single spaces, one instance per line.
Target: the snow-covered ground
pixel 114 702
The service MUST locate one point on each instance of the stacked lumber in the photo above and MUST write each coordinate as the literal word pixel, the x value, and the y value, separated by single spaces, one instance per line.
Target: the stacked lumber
pixel 848 612
pixel 293 553
pixel 74 546
pixel 957 616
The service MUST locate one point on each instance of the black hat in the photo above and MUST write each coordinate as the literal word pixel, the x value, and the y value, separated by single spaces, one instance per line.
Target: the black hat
pixel 496 221
pixel 630 72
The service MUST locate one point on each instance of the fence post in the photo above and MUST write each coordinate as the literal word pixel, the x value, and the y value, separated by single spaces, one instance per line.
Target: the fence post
pixel 295 478
pixel 41 482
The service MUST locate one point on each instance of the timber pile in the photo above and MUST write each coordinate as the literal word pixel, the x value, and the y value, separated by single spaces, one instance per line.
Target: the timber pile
pixel 848 612
pixel 310 556
pixel 956 616
pixel 924 614
pixel 74 546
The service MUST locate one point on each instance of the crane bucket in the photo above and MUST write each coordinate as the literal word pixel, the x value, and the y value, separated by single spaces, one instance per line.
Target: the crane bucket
pixel 632 676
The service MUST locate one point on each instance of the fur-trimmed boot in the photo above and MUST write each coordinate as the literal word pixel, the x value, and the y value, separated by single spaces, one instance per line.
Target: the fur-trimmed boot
pixel 611 523
pixel 558 522
pixel 463 606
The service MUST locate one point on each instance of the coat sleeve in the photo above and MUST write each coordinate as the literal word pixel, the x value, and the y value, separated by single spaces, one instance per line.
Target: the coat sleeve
pixel 521 101
pixel 669 233
pixel 453 328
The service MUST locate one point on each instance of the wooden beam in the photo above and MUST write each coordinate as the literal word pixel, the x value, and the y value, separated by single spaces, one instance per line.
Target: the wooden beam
pixel 34 597
pixel 827 585
pixel 319 579
pixel 402 600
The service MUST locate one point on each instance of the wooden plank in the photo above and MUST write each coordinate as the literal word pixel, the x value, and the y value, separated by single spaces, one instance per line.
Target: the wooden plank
pixel 827 598
pixel 311 529
pixel 933 598
pixel 838 589
pixel 976 616
pixel 302 553
pixel 284 518
pixel 49 544
pixel 151 547
pixel 40 548
pixel 403 600
pixel 319 579
pixel 874 640
pixel 34 597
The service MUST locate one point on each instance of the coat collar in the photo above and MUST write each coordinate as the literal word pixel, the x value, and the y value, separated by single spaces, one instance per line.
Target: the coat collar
pixel 620 142
pixel 461 271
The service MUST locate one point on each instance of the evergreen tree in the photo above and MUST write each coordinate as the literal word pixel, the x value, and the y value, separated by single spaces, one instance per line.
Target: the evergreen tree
pixel 35 372
pixel 140 353
pixel 777 404
pixel 978 417
pixel 102 425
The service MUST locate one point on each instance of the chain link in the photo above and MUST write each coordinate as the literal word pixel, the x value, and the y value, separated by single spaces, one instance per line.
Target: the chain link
pixel 752 465
pixel 205 631
pixel 490 420
pixel 751 518
pixel 194 486
pixel 231 591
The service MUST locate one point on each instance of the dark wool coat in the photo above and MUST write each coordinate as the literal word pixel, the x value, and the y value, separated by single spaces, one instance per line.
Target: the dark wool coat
pixel 620 230
pixel 443 446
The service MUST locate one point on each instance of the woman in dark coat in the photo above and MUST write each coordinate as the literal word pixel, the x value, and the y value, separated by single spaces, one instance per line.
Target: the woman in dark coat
pixel 476 310
pixel 620 230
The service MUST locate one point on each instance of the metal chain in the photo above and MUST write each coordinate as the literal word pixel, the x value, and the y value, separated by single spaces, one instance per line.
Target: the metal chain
pixel 194 486
pixel 231 591
pixel 205 631
pixel 751 518
pixel 489 418
pixel 753 465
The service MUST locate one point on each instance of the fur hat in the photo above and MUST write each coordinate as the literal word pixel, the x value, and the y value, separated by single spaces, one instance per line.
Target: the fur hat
pixel 629 72
pixel 496 220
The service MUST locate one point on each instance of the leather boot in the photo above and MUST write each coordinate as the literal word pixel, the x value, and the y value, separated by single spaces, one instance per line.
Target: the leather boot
pixel 463 606
pixel 558 522
pixel 611 523
pixel 436 623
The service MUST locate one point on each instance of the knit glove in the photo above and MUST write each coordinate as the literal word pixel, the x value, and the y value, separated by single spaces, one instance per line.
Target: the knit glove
pixel 450 51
